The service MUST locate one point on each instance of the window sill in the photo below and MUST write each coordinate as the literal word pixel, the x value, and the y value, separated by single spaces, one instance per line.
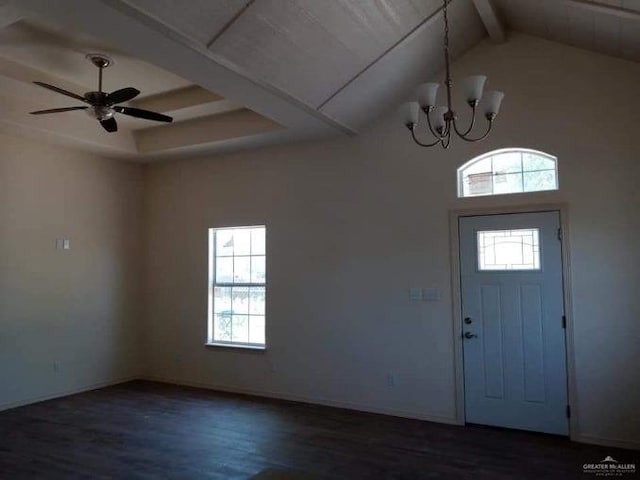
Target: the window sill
pixel 251 348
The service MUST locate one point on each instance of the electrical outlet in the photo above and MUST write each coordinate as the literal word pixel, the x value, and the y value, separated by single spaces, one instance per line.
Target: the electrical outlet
pixel 56 366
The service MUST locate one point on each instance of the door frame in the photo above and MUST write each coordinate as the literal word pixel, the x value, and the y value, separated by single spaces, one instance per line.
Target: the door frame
pixel 456 295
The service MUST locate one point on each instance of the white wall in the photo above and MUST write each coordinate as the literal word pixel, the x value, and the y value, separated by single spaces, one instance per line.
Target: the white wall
pixel 78 308
pixel 353 223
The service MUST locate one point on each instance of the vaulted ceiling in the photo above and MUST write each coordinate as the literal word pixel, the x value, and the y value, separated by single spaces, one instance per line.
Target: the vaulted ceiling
pixel 611 27
pixel 240 73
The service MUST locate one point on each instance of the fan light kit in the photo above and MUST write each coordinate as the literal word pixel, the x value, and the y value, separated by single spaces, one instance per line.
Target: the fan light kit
pixel 102 106
pixel 441 121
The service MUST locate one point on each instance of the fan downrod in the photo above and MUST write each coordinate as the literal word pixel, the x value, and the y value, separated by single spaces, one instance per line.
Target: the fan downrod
pixel 100 60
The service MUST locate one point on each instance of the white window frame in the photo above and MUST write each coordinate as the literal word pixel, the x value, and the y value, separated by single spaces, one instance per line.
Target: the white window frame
pixel 212 284
pixel 480 158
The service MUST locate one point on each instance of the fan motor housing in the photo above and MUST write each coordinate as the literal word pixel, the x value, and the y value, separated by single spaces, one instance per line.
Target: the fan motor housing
pixel 100 108
pixel 96 98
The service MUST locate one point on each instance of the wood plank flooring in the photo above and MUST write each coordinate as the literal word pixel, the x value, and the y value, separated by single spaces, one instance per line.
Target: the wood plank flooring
pixel 146 430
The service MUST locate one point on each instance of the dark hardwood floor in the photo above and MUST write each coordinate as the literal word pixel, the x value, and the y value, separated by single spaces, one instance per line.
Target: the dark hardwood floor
pixel 150 430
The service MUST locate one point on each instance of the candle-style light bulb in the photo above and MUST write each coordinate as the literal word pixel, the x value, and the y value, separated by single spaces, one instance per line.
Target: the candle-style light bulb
pixel 473 87
pixel 410 112
pixel 492 101
pixel 427 94
pixel 437 119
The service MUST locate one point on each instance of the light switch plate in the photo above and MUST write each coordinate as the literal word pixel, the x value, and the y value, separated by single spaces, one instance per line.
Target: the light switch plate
pixel 415 293
pixel 431 294
pixel 63 244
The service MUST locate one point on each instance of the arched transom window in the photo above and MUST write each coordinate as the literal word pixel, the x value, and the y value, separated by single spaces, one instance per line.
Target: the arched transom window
pixel 510 170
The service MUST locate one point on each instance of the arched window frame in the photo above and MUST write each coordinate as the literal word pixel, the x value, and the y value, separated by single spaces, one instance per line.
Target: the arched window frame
pixel 522 171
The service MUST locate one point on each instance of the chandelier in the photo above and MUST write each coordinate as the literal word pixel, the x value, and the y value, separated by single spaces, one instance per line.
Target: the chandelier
pixel 442 120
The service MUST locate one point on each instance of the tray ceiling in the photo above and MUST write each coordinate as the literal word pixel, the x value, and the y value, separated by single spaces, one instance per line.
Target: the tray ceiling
pixel 284 69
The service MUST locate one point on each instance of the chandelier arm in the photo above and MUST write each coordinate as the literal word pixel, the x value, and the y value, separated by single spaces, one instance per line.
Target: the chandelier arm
pixel 447 128
pixel 446 141
pixel 467 139
pixel 415 139
pixel 471 125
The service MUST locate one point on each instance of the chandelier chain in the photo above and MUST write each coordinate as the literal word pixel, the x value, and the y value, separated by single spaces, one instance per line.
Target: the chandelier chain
pixel 445 119
pixel 446 53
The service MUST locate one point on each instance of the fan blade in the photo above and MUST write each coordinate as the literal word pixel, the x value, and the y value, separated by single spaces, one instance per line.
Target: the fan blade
pixel 146 114
pixel 62 91
pixel 110 124
pixel 122 95
pixel 57 110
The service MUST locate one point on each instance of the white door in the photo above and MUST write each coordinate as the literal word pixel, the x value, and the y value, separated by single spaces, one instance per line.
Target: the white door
pixel 513 321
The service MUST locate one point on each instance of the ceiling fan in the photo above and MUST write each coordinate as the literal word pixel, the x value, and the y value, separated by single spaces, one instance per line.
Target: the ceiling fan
pixel 102 106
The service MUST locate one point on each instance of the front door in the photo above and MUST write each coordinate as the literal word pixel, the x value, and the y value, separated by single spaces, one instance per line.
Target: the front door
pixel 513 327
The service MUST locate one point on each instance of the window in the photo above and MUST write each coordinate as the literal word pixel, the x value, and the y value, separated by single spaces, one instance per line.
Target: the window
pixel 509 249
pixel 508 171
pixel 237 286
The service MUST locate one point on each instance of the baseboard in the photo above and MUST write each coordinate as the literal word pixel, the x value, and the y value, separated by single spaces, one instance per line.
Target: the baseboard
pixel 303 399
pixel 607 442
pixel 65 393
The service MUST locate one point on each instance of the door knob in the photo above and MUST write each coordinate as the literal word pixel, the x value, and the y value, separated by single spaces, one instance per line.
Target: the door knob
pixel 470 335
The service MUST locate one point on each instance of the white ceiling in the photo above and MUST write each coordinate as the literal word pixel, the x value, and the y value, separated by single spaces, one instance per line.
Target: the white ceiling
pixel 61 53
pixel 612 31
pixel 201 21
pixel 311 48
pixel 34 50
pixel 34 47
pixel 314 67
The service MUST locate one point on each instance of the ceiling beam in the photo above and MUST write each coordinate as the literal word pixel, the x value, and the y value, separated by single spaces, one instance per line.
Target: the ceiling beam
pixel 147 39
pixel 421 27
pixel 9 15
pixel 607 9
pixel 228 25
pixel 394 75
pixel 492 22
pixel 215 128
